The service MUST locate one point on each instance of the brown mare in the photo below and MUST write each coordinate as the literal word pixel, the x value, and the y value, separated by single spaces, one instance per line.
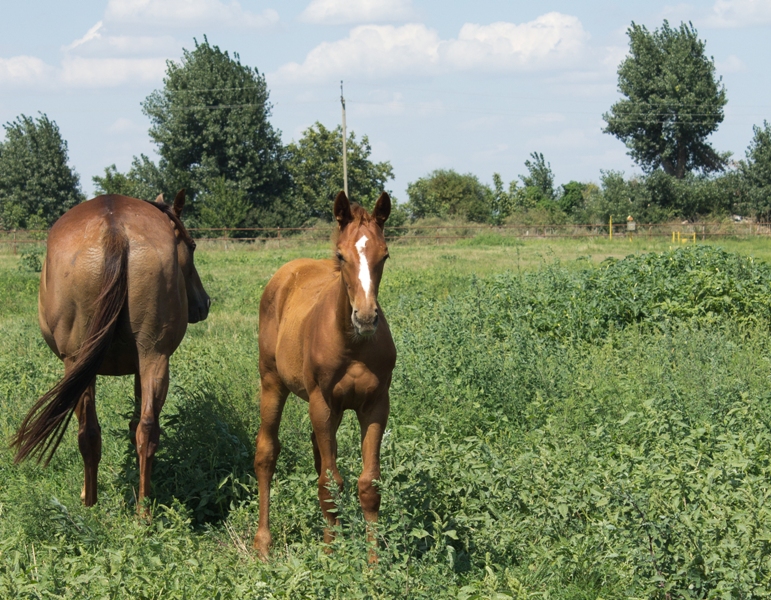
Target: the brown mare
pixel 324 338
pixel 117 291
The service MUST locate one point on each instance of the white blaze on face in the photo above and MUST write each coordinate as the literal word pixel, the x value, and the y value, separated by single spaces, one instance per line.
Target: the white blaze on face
pixel 363 265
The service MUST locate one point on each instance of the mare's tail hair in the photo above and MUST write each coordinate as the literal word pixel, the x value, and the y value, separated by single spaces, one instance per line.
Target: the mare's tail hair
pixel 42 429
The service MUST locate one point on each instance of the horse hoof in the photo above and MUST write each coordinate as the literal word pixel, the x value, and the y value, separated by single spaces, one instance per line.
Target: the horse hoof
pixel 262 546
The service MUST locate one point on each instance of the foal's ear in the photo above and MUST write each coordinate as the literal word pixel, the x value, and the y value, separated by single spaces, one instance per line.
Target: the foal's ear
pixel 159 199
pixel 382 209
pixel 342 210
pixel 179 203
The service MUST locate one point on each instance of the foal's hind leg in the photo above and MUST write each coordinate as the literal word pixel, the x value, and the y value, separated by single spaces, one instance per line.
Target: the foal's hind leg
pixel 273 394
pixel 89 442
pixel 154 380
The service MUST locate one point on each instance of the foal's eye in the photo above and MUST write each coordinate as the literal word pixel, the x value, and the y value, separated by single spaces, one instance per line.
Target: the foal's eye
pixel 339 256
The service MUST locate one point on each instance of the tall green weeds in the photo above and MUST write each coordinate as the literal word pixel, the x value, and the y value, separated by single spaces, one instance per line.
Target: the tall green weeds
pixel 576 432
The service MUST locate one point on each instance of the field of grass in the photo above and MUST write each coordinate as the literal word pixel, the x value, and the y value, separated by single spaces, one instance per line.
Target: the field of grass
pixel 570 419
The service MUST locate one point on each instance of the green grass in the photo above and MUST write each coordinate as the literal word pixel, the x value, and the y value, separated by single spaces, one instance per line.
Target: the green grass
pixel 563 426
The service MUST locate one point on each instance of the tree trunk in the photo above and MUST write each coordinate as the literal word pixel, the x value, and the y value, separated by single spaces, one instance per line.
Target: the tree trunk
pixel 682 159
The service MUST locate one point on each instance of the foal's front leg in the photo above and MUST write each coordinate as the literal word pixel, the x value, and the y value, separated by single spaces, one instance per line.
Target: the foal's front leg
pixel 325 423
pixel 373 423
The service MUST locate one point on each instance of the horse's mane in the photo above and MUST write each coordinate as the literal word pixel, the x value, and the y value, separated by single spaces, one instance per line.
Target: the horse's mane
pixel 165 208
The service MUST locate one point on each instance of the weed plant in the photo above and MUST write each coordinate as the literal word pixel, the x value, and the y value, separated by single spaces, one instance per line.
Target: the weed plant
pixel 579 431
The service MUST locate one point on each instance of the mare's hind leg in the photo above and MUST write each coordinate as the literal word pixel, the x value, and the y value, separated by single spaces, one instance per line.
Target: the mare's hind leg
pixel 134 423
pixel 154 381
pixel 325 423
pixel 273 394
pixel 89 442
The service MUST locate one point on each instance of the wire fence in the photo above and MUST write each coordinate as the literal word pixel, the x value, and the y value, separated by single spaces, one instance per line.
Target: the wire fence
pixel 272 237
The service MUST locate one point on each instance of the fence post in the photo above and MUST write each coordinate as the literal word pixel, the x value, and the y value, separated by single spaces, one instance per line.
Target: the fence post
pixel 279 237
pixel 610 228
pixel 14 242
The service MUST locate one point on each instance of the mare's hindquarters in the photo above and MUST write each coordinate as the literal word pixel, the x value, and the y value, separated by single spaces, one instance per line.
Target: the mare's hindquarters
pixel 62 319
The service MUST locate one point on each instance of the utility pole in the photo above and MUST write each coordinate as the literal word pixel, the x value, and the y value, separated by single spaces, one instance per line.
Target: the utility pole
pixel 345 145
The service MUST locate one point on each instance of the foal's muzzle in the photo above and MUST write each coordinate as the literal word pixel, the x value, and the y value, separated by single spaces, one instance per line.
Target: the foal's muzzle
pixel 365 324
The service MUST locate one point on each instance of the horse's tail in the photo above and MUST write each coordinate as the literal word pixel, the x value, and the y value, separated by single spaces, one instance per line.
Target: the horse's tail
pixel 42 429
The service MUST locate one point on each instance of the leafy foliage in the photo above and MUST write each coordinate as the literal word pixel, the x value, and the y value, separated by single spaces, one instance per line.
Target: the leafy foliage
pixel 673 101
pixel 756 171
pixel 539 181
pixel 315 163
pixel 574 432
pixel 144 180
pixel 446 193
pixel 571 200
pixel 210 121
pixel 36 184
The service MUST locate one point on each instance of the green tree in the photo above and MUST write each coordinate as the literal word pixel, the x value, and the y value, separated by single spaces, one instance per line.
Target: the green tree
pixel 315 163
pixel 756 171
pixel 503 202
pixel 144 180
pixel 673 101
pixel 222 205
pixel 210 121
pixel 539 179
pixel 447 193
pixel 572 198
pixel 36 184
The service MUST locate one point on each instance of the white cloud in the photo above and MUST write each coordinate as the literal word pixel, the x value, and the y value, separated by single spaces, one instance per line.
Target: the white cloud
pixel 553 40
pixel 739 13
pixel 373 50
pixel 122 126
pixel 91 34
pixel 731 64
pixel 184 13
pixel 99 43
pixel 344 12
pixel 77 71
pixel 574 138
pixel 23 71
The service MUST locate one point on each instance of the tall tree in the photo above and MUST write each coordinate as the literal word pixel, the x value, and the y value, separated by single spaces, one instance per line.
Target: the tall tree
pixel 756 171
pixel 447 193
pixel 315 163
pixel 539 177
pixel 673 101
pixel 210 122
pixel 36 184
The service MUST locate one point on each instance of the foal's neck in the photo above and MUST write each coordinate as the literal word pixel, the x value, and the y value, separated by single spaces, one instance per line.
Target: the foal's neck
pixel 343 310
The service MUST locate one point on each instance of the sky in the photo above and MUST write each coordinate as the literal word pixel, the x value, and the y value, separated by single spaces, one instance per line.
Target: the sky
pixel 471 86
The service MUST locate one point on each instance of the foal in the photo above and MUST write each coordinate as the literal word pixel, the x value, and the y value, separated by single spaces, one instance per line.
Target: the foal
pixel 323 337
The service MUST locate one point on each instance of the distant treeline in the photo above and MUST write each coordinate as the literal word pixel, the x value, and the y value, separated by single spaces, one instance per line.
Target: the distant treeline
pixel 744 189
pixel 210 124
